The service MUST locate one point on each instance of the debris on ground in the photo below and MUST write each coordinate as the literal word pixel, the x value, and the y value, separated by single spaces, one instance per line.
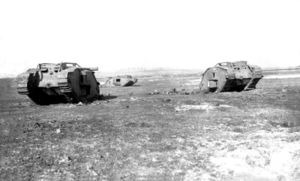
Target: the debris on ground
pixel 167 100
pixel 155 92
pixel 203 106
pixel 79 104
pixel 172 91
pixel 133 98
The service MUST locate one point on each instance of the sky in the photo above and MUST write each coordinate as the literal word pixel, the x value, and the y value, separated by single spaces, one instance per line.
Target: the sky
pixel 158 33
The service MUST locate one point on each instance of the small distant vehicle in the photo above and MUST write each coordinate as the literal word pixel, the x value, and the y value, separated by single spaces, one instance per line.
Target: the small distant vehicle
pixel 230 76
pixel 53 83
pixel 123 81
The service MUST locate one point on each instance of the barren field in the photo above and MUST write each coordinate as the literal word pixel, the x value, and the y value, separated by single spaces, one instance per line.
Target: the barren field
pixel 152 132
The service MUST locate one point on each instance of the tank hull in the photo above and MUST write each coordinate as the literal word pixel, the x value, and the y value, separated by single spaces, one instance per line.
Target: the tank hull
pixel 233 77
pixel 123 81
pixel 67 86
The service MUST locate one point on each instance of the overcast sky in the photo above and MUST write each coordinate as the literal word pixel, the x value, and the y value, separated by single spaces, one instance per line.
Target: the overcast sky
pixel 121 34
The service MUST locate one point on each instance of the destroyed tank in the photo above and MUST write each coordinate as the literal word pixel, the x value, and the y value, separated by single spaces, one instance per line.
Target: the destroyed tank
pixel 230 76
pixel 55 83
pixel 123 81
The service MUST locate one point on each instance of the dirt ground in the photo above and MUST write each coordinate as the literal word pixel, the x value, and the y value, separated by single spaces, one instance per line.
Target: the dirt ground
pixel 150 132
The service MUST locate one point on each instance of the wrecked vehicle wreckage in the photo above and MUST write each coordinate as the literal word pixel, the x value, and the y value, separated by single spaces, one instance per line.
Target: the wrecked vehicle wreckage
pixel 122 81
pixel 230 76
pixel 54 83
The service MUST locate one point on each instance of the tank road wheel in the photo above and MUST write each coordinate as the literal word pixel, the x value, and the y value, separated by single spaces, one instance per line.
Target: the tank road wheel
pixel 74 79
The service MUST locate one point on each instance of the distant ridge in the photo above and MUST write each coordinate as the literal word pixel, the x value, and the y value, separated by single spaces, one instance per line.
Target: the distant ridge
pixel 147 72
pixel 281 68
pixel 3 75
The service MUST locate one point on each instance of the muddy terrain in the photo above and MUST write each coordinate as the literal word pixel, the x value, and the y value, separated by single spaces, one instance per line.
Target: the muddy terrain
pixel 159 129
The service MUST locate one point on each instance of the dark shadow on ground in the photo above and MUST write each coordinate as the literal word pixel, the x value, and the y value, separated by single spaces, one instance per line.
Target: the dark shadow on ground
pixel 107 97
pixel 135 85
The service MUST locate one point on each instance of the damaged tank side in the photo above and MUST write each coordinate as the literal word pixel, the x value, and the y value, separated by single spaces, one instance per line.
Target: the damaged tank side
pixel 123 81
pixel 54 83
pixel 230 76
